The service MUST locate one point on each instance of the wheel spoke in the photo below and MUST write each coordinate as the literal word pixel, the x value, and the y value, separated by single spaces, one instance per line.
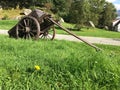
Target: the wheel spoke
pixel 34 30
pixel 29 22
pixel 25 22
pixel 20 25
pixel 50 33
pixel 49 36
pixel 32 34
pixel 20 29
pixel 24 36
pixel 33 27
pixel 42 36
pixel 29 36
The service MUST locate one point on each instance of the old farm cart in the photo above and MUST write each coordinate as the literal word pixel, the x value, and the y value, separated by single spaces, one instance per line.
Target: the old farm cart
pixel 39 24
pixel 34 25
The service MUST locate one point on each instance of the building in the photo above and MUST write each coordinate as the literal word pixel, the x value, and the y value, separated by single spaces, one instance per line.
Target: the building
pixel 116 25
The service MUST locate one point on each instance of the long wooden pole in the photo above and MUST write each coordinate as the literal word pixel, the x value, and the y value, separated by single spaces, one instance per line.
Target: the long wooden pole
pixel 68 31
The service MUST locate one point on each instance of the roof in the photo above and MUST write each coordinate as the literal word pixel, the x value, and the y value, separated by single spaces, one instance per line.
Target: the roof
pixel 116 22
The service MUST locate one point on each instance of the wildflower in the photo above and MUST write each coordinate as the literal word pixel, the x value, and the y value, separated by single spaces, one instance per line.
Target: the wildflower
pixel 37 67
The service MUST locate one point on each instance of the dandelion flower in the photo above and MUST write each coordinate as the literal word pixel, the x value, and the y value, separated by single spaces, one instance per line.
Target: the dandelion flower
pixel 37 67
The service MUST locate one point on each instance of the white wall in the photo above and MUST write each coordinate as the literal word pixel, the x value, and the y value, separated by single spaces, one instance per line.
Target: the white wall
pixel 119 28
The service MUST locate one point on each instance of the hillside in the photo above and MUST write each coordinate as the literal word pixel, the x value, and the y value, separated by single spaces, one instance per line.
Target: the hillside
pixel 10 14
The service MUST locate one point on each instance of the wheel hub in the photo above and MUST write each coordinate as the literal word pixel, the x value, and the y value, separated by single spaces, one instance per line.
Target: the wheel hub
pixel 45 33
pixel 27 29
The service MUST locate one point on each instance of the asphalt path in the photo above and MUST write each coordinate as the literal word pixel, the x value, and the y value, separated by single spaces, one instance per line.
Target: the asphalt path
pixel 97 40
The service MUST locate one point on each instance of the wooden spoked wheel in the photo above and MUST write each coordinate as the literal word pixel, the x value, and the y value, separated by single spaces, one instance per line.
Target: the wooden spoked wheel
pixel 48 34
pixel 28 28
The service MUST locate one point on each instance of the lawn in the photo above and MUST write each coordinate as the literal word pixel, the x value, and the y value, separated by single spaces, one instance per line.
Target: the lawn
pixel 7 24
pixel 95 32
pixel 64 65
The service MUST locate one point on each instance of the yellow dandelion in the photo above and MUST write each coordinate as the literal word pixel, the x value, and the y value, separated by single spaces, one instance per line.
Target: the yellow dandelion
pixel 37 67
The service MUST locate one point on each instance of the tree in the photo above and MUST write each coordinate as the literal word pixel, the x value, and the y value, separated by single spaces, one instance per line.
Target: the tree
pixel 96 7
pixel 100 12
pixel 6 4
pixel 108 15
pixel 79 12
pixel 60 7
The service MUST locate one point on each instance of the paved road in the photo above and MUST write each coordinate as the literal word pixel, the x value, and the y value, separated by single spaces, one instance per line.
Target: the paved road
pixel 108 41
pixel 4 32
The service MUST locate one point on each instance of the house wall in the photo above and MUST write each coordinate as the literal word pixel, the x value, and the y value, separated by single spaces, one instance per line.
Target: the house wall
pixel 116 25
pixel 118 28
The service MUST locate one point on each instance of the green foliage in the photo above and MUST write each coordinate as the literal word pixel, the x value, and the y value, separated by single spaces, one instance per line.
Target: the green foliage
pixel 79 11
pixel 61 7
pixel 96 7
pixel 107 16
pixel 100 12
pixel 63 65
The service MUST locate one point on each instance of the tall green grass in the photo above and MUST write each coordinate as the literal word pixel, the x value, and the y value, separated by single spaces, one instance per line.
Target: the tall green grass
pixel 63 65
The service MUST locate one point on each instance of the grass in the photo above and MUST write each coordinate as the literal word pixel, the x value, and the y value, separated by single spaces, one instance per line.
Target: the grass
pixel 7 24
pixel 94 32
pixel 63 65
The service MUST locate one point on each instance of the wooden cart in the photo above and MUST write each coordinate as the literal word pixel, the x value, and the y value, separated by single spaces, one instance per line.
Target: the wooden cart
pixel 39 24
pixel 35 25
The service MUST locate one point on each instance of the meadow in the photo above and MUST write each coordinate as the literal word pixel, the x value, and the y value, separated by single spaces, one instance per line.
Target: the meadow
pixel 63 65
